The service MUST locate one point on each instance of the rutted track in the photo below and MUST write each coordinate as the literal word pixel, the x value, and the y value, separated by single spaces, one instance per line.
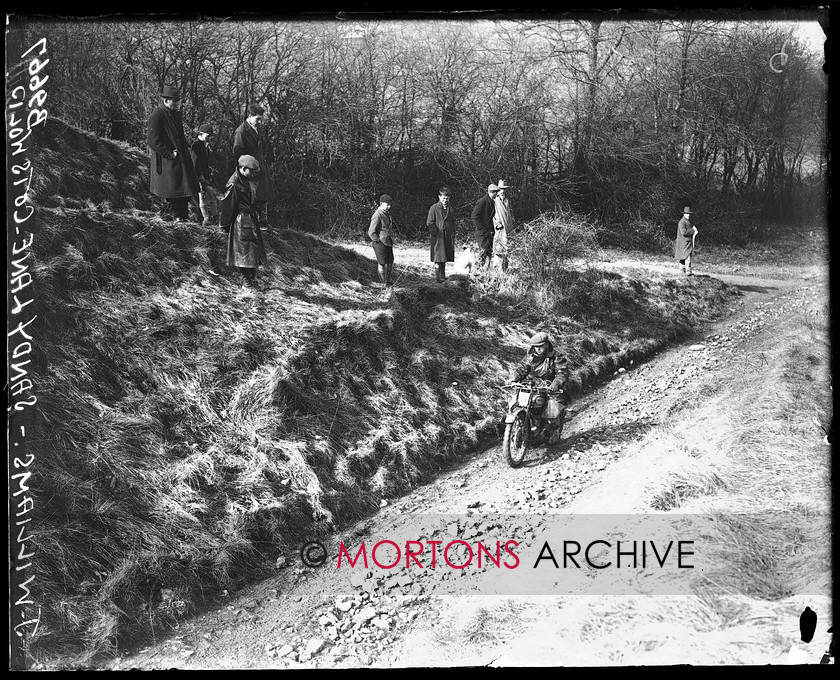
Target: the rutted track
pixel 308 617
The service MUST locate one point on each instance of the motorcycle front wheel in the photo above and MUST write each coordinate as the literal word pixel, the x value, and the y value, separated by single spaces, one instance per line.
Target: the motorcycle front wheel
pixel 515 443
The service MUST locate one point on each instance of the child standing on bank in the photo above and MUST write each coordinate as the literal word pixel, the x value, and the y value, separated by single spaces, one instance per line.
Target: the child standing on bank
pixel 208 201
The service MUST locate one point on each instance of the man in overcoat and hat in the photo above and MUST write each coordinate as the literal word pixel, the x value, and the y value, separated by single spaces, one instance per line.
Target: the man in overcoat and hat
pixel 246 142
pixel 240 217
pixel 172 174
pixel 441 224
pixel 502 222
pixel 684 247
pixel 482 217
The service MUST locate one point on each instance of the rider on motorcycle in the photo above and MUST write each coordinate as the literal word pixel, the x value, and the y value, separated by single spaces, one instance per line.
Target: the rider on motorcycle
pixel 544 365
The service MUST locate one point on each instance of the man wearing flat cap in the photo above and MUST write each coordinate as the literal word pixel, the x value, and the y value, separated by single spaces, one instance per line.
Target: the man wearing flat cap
pixel 172 174
pixel 247 142
pixel 200 151
pixel 482 217
pixel 240 217
pixel 381 234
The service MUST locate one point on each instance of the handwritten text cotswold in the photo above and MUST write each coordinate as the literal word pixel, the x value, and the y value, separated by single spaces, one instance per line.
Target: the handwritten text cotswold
pixel 25 110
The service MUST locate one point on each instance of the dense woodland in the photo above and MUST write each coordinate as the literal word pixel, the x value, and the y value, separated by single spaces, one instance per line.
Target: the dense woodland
pixel 625 121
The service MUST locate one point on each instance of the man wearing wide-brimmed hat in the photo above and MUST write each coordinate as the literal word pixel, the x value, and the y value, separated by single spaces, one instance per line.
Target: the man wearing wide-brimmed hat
pixel 172 173
pixel 482 217
pixel 684 247
pixel 502 222
pixel 240 217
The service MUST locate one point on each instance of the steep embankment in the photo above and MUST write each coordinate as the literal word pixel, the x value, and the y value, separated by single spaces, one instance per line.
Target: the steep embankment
pixel 741 466
pixel 188 431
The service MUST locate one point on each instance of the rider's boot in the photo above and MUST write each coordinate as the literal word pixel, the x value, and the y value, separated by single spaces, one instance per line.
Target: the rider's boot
pixel 555 427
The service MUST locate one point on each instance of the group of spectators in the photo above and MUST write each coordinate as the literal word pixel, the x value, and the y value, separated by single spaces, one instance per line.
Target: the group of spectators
pixel 492 218
pixel 182 175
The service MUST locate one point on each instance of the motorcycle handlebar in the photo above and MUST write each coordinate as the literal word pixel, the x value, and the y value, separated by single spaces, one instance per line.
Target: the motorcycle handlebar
pixel 531 386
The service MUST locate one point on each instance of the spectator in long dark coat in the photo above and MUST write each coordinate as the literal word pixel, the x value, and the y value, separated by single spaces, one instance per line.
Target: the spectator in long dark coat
pixel 441 224
pixel 246 142
pixel 482 217
pixel 240 217
pixel 684 247
pixel 172 174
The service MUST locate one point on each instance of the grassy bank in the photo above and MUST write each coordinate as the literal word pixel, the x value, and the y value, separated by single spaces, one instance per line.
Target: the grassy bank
pixel 76 169
pixel 190 433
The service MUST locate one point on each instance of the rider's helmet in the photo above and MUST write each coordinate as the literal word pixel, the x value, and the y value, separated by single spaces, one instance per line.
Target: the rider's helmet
pixel 540 338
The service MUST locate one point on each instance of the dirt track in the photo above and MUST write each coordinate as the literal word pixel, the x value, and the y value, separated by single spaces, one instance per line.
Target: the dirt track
pixel 606 463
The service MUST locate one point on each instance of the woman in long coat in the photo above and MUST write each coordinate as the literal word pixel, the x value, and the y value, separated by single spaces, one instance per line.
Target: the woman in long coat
pixel 441 224
pixel 240 216
pixel 684 247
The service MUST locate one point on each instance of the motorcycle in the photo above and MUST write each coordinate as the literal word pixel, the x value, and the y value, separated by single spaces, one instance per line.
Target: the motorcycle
pixel 525 421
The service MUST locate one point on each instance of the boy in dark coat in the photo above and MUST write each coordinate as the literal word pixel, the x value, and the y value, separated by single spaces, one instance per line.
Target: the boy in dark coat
pixel 172 174
pixel 381 234
pixel 482 217
pixel 684 247
pixel 246 142
pixel 208 202
pixel 240 217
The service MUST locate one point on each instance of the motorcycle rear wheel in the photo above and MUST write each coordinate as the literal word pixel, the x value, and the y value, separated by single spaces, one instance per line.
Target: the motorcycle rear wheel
pixel 515 442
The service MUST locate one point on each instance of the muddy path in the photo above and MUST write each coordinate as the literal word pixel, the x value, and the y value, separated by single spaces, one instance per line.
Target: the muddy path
pixel 317 617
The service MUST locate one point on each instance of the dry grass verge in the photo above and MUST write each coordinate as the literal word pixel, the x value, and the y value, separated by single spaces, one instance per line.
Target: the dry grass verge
pixel 780 538
pixel 764 482
pixel 76 169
